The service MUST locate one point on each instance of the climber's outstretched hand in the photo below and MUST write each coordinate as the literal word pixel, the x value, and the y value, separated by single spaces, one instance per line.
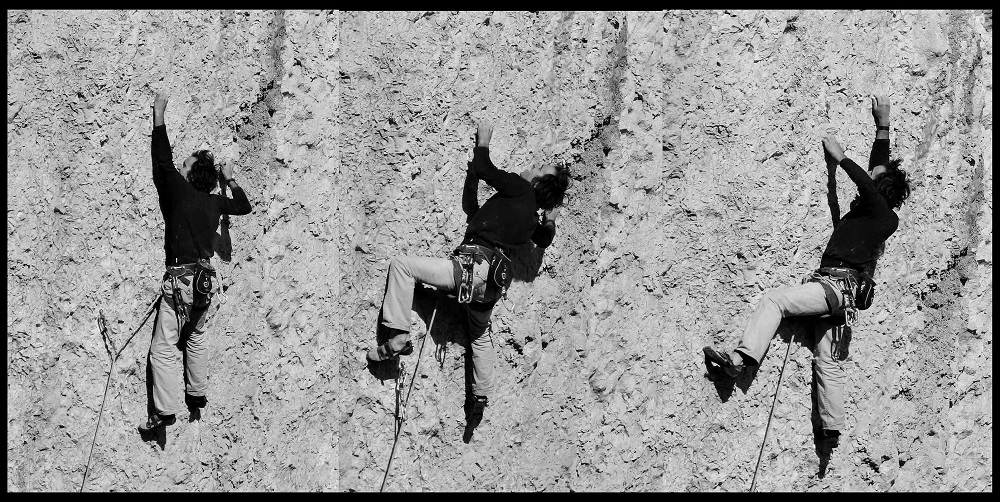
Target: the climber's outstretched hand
pixel 159 107
pixel 483 133
pixel 160 102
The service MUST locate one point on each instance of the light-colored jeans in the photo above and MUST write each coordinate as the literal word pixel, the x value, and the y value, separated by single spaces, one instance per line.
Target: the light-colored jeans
pixel 405 272
pixel 829 374
pixel 802 300
pixel 173 337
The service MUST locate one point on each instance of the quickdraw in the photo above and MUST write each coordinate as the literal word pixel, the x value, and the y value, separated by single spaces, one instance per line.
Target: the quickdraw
pixel 466 262
pixel 845 282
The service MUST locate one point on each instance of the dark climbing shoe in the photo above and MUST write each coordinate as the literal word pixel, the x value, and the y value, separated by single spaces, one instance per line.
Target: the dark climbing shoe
pixel 827 438
pixel 724 361
pixel 156 421
pixel 474 406
pixel 195 401
pixel 384 351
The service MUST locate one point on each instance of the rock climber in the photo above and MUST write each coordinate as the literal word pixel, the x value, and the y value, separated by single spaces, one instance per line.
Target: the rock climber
pixel 479 271
pixel 191 215
pixel 843 283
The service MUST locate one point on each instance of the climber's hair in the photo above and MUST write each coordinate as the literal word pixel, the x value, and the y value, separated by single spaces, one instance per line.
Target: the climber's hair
pixel 893 184
pixel 202 175
pixel 550 190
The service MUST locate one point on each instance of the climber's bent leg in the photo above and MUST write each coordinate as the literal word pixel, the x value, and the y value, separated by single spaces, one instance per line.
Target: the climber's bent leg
pixel 799 300
pixel 404 273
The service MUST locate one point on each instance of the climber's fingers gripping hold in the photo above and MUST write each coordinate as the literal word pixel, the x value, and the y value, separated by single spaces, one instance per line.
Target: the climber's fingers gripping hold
pixel 880 109
pixel 832 148
pixel 484 133
pixel 226 168
pixel 160 102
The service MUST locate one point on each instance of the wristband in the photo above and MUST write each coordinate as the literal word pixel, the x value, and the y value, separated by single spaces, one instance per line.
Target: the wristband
pixel 230 180
pixel 881 128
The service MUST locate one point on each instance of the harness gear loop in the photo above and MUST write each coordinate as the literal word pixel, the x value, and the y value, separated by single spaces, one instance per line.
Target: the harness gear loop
pixel 466 261
pixel 781 375
pixel 836 280
pixel 400 417
pixel 102 326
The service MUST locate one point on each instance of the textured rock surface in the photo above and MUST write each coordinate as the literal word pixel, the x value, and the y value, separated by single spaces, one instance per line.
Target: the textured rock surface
pixel 749 95
pixel 84 233
pixel 698 183
pixel 578 367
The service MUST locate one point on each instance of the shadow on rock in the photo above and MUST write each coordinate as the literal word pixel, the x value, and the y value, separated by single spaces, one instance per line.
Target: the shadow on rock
pixel 824 449
pixel 469 429
pixel 526 262
pixel 790 330
pixel 725 384
pixel 158 434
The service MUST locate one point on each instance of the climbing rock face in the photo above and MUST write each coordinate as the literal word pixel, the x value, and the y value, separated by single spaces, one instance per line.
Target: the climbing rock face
pixel 749 96
pixel 698 183
pixel 85 234
pixel 579 368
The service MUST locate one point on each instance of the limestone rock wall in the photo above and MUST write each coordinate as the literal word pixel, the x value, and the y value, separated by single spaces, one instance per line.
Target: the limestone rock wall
pixel 84 233
pixel 577 375
pixel 698 183
pixel 749 95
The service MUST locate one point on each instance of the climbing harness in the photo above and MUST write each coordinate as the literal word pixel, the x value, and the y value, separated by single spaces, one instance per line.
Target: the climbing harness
pixel 499 273
pixel 103 327
pixel 857 288
pixel 465 262
pixel 781 375
pixel 201 277
pixel 401 410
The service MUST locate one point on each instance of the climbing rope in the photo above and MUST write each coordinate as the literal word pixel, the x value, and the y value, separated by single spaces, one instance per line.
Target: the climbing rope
pixel 102 326
pixel 781 375
pixel 400 411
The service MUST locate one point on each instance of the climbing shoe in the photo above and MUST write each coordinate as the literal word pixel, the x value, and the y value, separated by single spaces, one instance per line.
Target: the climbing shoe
pixel 384 351
pixel 829 438
pixel 724 361
pixel 474 406
pixel 195 401
pixel 156 421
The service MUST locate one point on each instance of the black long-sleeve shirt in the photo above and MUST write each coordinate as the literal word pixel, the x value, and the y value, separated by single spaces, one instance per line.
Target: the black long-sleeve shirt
pixel 191 216
pixel 858 238
pixel 510 217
